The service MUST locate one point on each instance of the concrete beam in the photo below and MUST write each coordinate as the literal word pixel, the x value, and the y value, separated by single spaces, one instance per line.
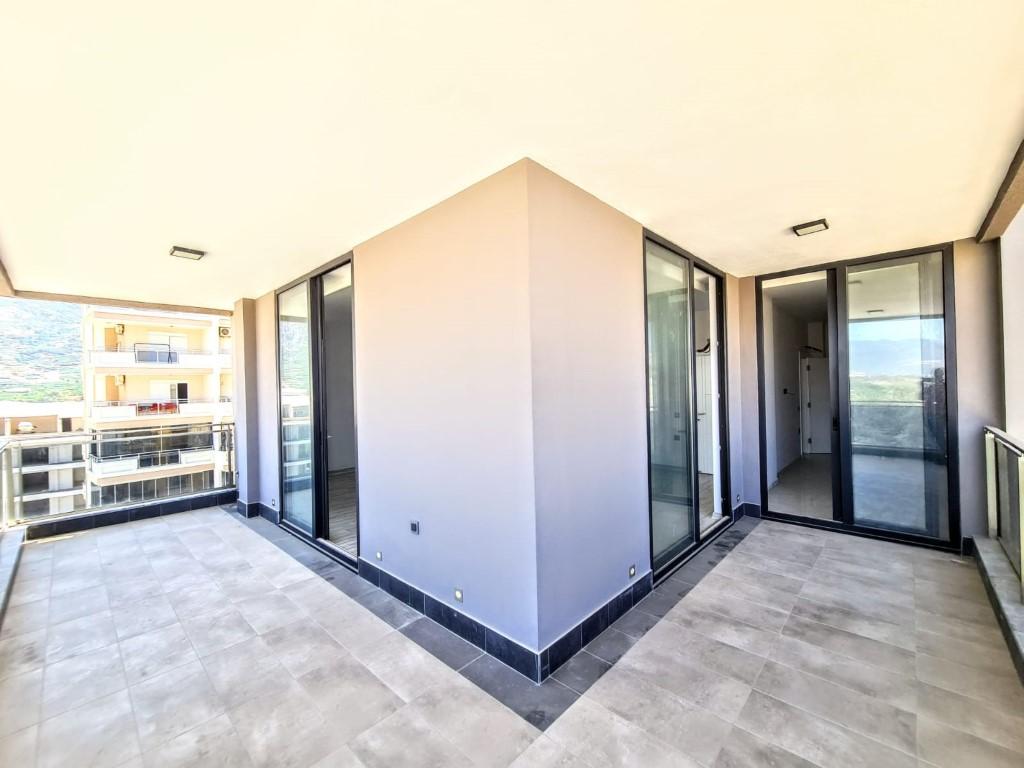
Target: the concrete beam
pixel 1007 202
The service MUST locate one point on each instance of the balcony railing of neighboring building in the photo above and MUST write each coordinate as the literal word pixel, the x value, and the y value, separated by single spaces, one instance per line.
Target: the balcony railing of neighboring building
pixel 1004 460
pixel 203 460
pixel 164 406
pixel 156 354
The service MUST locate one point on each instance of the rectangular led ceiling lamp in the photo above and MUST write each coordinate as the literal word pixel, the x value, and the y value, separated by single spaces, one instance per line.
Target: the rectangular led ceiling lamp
pixel 187 253
pixel 810 227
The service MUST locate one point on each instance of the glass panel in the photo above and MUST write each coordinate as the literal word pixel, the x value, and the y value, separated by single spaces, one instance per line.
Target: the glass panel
pixel 797 395
pixel 339 410
pixel 670 403
pixel 897 363
pixel 294 361
pixel 705 337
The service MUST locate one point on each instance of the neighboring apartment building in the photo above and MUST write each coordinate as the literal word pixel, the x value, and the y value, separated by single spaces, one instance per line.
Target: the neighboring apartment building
pixel 157 389
pixel 48 462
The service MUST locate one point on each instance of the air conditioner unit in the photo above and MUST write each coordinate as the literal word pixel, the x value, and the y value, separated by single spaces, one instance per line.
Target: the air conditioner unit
pixel 119 329
pixel 224 332
pixel 119 380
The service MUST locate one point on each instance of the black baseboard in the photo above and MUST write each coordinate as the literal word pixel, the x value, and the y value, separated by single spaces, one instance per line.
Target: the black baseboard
pixel 268 513
pixel 247 509
pixel 536 666
pixel 746 509
pixel 967 546
pixel 157 508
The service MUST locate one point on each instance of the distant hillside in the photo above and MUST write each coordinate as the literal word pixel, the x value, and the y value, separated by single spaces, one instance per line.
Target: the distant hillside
pixel 40 351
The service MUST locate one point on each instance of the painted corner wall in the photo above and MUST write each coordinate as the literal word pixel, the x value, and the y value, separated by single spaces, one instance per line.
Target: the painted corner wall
pixel 979 371
pixel 443 403
pixel 266 402
pixel 1011 266
pixel 748 375
pixel 589 414
pixel 245 400
pixel 734 370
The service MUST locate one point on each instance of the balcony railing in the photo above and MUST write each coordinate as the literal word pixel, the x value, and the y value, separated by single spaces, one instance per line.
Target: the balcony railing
pixel 147 354
pixel 1004 460
pixel 165 406
pixel 204 459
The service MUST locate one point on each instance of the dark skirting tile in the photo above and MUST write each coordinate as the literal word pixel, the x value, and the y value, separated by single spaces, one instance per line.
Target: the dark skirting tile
pixel 540 705
pixel 348 582
pixel 40 531
pixel 611 645
pixel 661 601
pixel 619 605
pixel 369 572
pixel 401 591
pixel 146 513
pixel 113 517
pixel 446 646
pixel 174 506
pixel 642 588
pixel 521 659
pixel 73 525
pixel 595 624
pixel 581 671
pixel 463 626
pixel 563 649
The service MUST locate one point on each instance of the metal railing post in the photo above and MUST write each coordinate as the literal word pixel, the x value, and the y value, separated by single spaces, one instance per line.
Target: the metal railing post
pixel 1020 517
pixel 990 484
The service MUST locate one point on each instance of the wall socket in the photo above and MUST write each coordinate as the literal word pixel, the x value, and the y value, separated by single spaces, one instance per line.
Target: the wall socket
pixel 414 526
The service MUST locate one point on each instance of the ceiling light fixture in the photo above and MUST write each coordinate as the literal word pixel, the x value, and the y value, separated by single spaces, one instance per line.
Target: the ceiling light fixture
pixel 187 253
pixel 810 227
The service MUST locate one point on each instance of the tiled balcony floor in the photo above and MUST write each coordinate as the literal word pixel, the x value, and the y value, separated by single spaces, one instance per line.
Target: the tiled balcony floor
pixel 192 640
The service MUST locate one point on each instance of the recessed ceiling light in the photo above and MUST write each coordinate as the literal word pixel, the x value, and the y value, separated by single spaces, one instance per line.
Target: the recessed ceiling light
pixel 187 253
pixel 810 227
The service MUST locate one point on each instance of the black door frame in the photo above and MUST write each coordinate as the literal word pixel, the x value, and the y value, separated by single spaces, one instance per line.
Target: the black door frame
pixel 838 378
pixel 725 469
pixel 317 413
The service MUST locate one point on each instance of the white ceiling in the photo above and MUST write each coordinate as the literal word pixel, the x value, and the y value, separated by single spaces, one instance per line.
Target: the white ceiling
pixel 277 136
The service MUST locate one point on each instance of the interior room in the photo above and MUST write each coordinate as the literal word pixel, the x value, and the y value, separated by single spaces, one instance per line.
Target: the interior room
pixel 797 393
pixel 339 410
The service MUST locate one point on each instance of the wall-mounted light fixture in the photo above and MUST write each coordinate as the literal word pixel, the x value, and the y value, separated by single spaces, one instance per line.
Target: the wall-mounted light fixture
pixel 810 227
pixel 187 253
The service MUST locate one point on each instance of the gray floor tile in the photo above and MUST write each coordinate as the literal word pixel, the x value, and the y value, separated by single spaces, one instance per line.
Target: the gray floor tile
pixel 405 667
pixel 21 700
pixel 814 738
pixel 143 616
pixel 27 617
pixel 636 623
pixel 214 742
pixel 22 652
pixel 405 740
pixel 172 703
pixel 156 652
pixel 445 645
pixel 81 679
pixel 484 730
pixel 303 646
pixel 950 748
pixel 745 750
pixel 349 696
pixel 384 606
pixel 244 671
pixel 540 704
pixel 610 645
pixel 20 747
pixel 581 671
pixel 213 632
pixel 101 733
pixel 74 605
pixel 269 611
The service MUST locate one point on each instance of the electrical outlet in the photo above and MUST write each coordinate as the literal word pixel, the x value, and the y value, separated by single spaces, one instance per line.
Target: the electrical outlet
pixel 414 526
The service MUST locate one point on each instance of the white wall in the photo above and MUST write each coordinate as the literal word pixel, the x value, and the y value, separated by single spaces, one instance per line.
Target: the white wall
pixel 1011 264
pixel 267 402
pixel 444 403
pixel 589 414
pixel 245 401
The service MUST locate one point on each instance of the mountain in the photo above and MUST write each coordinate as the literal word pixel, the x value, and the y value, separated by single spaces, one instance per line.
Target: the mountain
pixel 40 350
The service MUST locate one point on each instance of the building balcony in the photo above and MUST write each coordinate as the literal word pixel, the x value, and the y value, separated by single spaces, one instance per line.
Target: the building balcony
pixel 121 410
pixel 105 470
pixel 155 356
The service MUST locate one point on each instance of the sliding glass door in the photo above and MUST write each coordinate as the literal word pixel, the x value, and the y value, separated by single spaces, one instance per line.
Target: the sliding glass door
pixel 875 390
pixel 685 424
pixel 319 490
pixel 896 383
pixel 294 349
